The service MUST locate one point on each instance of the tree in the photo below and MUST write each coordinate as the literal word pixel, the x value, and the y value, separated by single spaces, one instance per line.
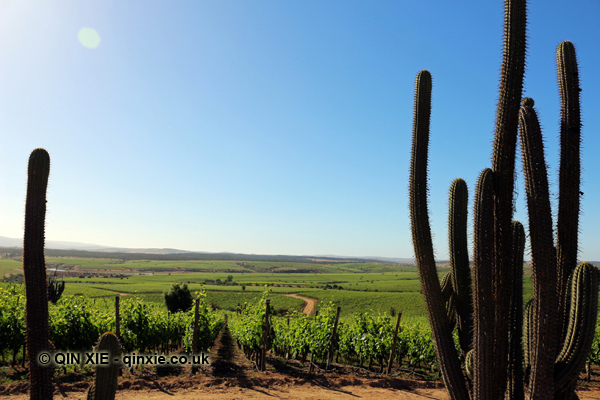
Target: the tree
pixel 178 298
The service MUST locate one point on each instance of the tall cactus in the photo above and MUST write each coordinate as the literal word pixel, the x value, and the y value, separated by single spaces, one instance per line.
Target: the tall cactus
pixel 562 292
pixel 421 234
pixel 34 271
pixel 105 384
pixel 543 254
pixel 514 388
pixel 483 295
pixel 459 262
pixel 569 174
pixel 503 166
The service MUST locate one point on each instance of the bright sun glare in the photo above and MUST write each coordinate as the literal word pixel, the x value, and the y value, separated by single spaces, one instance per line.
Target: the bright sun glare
pixel 89 38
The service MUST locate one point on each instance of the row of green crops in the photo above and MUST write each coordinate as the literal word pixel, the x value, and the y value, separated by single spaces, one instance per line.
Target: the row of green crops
pixel 77 322
pixel 248 328
pixel 363 339
pixel 306 334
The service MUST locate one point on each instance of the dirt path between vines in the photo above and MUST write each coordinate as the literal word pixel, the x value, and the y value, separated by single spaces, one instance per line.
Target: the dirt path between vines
pixel 309 304
pixel 232 376
pixel 269 385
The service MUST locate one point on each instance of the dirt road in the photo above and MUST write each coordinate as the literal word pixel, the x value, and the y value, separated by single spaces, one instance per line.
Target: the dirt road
pixel 309 304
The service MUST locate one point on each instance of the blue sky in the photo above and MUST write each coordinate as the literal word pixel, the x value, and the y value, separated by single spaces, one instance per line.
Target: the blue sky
pixel 269 127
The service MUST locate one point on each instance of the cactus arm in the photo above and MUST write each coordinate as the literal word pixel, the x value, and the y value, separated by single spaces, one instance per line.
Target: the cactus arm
pixel 503 165
pixel 423 246
pixel 34 271
pixel 459 262
pixel 514 390
pixel 543 255
pixel 446 286
pixel 483 304
pixel 449 298
pixel 581 325
pixel 569 171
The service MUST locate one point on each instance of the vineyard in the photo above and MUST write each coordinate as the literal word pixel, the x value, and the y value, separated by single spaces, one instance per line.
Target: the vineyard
pixel 77 322
pixel 363 340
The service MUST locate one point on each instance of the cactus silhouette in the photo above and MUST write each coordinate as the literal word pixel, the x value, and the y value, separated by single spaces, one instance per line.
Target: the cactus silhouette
pixel 105 384
pixel 34 271
pixel 563 292
pixel 459 262
pixel 515 331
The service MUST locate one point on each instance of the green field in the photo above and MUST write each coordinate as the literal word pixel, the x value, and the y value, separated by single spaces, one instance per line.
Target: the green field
pixel 355 287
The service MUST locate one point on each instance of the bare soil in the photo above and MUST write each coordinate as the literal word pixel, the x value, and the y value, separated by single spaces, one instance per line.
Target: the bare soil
pixel 309 304
pixel 231 376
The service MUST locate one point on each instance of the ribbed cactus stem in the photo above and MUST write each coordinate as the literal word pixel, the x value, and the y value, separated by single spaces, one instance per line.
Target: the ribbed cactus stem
pixel 446 286
pixel 527 334
pixel 503 165
pixel 459 261
pixel 583 312
pixel 569 172
pixel 34 271
pixel 449 298
pixel 105 385
pixel 423 247
pixel 543 255
pixel 514 390
pixel 483 300
pixel 469 364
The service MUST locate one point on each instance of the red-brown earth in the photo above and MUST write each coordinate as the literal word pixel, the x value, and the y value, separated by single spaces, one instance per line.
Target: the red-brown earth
pixel 232 376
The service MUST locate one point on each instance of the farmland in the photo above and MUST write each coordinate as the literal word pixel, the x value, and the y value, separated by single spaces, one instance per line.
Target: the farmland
pixel 369 296
pixel 355 286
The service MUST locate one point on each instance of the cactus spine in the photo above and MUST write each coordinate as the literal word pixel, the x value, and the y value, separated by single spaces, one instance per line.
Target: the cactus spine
pixel 495 362
pixel 105 384
pixel 34 271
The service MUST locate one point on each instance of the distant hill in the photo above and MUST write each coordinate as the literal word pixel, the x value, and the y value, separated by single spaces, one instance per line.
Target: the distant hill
pixel 51 244
pixel 145 251
pixel 55 248
pixel 61 245
pixel 386 259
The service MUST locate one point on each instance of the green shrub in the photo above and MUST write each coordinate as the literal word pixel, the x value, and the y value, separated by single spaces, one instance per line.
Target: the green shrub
pixel 178 298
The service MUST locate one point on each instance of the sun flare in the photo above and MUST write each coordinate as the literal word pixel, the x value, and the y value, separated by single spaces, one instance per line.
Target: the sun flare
pixel 89 38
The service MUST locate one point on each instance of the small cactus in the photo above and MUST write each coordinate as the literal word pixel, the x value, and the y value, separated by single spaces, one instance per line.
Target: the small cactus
pixel 105 384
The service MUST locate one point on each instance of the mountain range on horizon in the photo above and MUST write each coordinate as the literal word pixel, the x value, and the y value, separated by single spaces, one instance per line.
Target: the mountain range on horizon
pixel 65 245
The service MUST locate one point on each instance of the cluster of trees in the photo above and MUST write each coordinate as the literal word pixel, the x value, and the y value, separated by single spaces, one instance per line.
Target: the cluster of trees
pixel 334 286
